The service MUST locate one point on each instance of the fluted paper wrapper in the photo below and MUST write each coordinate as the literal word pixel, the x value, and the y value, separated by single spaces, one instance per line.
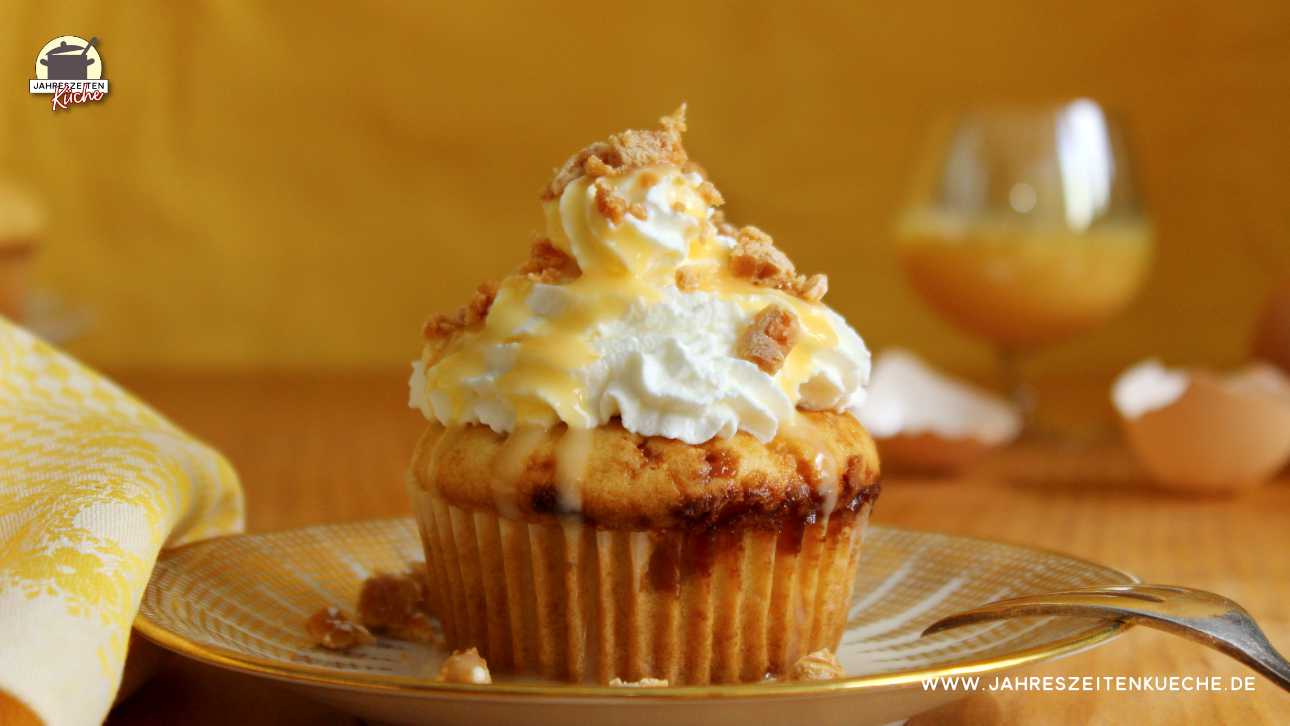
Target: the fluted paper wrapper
pixel 569 601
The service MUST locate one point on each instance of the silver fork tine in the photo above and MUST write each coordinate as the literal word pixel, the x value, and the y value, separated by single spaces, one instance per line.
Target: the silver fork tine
pixel 1204 617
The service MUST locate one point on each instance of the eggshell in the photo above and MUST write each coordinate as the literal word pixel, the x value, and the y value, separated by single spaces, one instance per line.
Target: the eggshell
pixel 929 423
pixel 1201 432
pixel 929 454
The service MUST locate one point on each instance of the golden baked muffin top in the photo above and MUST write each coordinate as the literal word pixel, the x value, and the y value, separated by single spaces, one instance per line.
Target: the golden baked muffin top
pixel 622 480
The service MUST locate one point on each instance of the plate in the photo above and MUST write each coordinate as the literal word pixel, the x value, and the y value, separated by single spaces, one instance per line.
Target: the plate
pixel 240 602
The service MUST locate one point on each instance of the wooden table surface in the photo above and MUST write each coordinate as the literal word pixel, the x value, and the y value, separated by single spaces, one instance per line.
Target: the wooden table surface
pixel 315 448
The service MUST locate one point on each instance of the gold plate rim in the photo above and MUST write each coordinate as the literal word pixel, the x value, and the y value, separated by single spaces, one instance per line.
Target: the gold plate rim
pixel 227 658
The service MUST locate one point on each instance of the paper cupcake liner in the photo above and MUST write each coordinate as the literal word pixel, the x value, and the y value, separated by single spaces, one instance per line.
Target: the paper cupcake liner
pixel 573 602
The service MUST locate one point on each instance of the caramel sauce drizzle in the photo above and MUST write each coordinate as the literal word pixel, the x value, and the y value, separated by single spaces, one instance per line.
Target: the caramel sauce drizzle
pixel 827 465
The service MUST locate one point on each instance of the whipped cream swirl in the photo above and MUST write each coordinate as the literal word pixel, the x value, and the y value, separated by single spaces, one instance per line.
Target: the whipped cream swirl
pixel 623 340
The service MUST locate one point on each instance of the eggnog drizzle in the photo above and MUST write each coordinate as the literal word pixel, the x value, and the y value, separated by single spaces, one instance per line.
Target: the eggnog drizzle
pixel 511 462
pixel 541 381
pixel 826 469
pixel 543 354
pixel 826 466
pixel 571 456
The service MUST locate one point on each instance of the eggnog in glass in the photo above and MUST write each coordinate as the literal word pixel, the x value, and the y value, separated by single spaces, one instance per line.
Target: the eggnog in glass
pixel 1025 228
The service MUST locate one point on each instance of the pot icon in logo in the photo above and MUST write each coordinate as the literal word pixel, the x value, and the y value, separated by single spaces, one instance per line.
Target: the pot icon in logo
pixel 70 70
pixel 68 58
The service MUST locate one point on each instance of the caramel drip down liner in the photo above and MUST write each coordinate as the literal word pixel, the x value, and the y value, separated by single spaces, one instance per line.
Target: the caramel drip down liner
pixel 571 602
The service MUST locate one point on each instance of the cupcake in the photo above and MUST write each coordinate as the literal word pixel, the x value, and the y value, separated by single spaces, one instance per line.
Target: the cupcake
pixel 642 460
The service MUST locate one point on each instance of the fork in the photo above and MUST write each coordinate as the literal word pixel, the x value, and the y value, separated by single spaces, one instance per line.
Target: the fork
pixel 1204 617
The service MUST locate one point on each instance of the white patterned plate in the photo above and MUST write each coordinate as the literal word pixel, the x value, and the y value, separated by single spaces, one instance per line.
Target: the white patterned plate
pixel 240 603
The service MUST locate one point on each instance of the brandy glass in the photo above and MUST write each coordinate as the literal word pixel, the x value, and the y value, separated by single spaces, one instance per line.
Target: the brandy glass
pixel 1025 228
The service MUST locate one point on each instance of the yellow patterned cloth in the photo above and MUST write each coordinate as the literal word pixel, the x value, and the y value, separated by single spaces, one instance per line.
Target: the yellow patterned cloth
pixel 92 485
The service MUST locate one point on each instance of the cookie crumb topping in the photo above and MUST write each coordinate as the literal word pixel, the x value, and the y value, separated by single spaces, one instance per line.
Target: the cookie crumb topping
pixel 623 152
pixel 550 264
pixel 711 195
pixel 445 325
pixel 693 277
pixel 613 207
pixel 757 259
pixel 769 338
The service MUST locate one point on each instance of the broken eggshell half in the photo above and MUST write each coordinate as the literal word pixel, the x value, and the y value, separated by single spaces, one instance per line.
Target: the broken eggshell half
pixel 1198 431
pixel 926 422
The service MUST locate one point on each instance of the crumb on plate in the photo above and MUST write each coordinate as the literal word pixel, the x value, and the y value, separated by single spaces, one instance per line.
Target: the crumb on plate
pixel 821 665
pixel 642 683
pixel 397 605
pixel 332 629
pixel 465 666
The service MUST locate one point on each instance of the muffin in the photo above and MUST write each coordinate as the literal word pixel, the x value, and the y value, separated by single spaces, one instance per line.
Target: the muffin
pixel 642 458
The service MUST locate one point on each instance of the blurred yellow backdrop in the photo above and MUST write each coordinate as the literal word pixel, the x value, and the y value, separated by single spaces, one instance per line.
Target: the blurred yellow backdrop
pixel 279 184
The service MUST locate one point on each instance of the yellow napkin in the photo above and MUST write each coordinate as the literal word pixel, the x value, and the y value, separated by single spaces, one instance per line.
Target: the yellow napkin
pixel 92 485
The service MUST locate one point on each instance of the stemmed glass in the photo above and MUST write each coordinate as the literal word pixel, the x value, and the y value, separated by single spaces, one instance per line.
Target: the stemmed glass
pixel 1025 228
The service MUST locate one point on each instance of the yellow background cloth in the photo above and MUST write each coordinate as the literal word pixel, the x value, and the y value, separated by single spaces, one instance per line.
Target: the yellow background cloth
pixel 92 485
